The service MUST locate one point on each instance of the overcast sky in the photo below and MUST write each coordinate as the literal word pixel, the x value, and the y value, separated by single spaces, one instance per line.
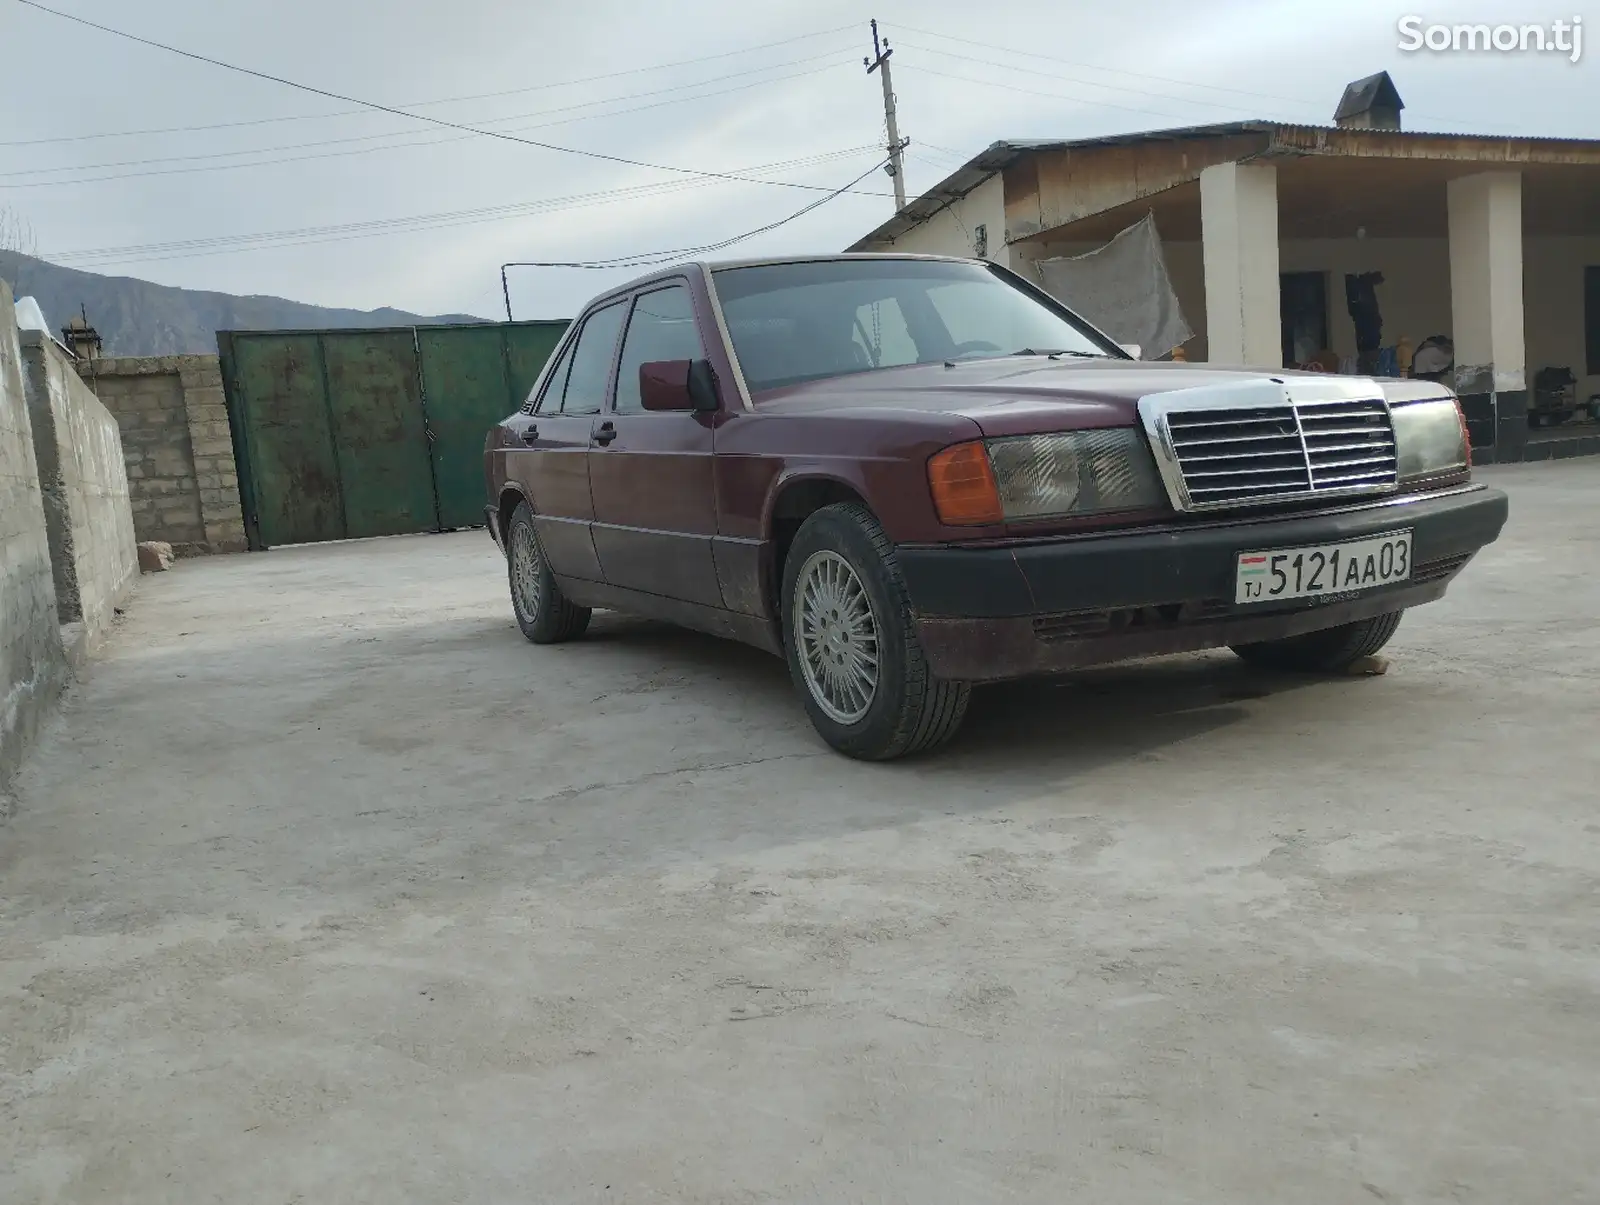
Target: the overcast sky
pixel 787 99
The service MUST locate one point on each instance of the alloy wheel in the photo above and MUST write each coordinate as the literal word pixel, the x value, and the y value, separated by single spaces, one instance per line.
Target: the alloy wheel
pixel 527 580
pixel 836 636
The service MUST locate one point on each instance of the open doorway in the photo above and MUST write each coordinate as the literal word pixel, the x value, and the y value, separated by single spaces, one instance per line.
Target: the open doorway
pixel 1303 310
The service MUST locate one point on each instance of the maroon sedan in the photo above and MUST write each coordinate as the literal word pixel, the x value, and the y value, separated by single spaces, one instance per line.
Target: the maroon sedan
pixel 908 474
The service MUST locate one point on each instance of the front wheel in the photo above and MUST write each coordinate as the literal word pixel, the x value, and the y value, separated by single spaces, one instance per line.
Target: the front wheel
pixel 544 613
pixel 852 643
pixel 1330 651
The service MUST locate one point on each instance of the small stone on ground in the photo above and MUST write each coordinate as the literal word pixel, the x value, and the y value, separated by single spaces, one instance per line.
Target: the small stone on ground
pixel 155 557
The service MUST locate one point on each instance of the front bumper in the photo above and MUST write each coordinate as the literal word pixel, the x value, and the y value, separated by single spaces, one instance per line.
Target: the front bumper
pixel 1039 607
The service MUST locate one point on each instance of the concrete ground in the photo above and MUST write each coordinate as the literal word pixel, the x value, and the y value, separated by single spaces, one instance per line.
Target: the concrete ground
pixel 327 887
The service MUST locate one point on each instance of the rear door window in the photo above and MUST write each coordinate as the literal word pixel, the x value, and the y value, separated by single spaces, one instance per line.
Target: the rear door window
pixel 591 360
pixel 549 399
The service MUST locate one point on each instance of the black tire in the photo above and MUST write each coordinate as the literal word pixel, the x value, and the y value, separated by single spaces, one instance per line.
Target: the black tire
pixel 1326 652
pixel 910 710
pixel 545 615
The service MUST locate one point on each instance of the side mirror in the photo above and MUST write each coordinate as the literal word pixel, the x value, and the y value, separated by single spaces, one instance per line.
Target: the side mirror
pixel 678 385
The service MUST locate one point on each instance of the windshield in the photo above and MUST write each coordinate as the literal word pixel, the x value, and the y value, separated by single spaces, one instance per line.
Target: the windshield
pixel 806 321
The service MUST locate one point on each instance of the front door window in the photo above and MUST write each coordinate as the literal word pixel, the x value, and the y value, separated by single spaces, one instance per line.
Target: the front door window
pixel 662 328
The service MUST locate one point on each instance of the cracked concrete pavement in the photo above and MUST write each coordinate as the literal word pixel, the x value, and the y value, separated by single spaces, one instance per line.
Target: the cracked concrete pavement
pixel 326 886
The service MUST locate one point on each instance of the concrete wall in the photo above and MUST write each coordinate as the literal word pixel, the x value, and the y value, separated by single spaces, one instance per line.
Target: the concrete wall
pixel 181 472
pixel 32 662
pixel 951 230
pixel 84 486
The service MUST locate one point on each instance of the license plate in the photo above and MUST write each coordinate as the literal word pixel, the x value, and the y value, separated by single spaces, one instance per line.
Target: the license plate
pixel 1279 574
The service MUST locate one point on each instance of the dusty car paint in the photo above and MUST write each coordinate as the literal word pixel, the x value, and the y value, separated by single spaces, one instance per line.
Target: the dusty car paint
pixel 684 520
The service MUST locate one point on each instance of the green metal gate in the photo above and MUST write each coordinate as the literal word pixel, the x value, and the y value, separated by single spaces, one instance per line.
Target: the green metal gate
pixel 345 434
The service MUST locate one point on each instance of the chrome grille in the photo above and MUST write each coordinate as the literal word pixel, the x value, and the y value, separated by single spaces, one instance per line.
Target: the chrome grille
pixel 1244 455
pixel 1348 444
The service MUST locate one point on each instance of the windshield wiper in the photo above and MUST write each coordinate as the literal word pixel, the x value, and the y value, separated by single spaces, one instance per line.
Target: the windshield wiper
pixel 1049 352
pixel 1053 352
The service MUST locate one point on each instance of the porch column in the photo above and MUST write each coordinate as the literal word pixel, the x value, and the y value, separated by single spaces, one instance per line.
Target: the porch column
pixel 1486 308
pixel 1239 233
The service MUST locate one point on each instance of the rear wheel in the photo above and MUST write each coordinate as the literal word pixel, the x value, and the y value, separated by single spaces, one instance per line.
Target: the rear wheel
pixel 545 615
pixel 1326 652
pixel 852 644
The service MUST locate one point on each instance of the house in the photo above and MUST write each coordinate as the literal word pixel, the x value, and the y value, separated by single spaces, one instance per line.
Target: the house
pixel 1273 232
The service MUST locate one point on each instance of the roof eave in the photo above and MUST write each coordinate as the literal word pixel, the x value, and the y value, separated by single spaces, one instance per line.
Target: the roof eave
pixel 997 156
pixel 993 158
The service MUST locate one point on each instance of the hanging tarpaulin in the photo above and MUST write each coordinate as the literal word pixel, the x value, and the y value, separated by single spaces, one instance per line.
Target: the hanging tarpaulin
pixel 1123 288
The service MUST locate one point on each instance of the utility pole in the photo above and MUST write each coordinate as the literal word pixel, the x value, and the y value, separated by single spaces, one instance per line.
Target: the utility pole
pixel 896 168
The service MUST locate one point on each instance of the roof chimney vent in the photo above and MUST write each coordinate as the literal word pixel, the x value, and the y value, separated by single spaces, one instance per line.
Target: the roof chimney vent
pixel 1370 104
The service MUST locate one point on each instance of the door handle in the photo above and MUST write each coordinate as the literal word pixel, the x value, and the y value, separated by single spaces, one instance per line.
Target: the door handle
pixel 531 435
pixel 605 434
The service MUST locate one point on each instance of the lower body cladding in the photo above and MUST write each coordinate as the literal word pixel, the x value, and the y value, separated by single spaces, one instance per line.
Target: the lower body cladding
pixel 1048 606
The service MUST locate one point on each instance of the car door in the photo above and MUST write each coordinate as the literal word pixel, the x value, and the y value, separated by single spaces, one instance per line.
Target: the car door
pixel 655 509
pixel 553 462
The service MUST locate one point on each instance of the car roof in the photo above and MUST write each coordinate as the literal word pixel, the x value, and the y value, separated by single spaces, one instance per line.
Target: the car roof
pixel 766 261
pixel 715 265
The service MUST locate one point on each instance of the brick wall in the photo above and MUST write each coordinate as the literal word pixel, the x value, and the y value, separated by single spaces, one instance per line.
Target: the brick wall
pixel 182 478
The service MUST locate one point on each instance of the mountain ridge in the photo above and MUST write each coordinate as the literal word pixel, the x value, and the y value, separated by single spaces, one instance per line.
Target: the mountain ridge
pixel 140 318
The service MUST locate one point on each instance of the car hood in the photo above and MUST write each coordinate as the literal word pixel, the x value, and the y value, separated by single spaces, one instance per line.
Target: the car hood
pixel 1019 395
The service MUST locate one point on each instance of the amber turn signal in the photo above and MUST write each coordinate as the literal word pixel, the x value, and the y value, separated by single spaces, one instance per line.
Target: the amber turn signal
pixel 964 490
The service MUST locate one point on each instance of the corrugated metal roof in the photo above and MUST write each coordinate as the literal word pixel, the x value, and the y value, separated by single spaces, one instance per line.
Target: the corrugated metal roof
pixel 999 155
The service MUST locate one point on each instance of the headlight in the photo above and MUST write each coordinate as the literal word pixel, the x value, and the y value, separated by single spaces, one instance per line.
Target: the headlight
pixel 1024 477
pixel 1076 473
pixel 1429 438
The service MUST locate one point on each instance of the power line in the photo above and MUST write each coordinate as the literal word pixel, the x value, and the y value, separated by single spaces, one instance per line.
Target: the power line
pixel 409 140
pixel 647 259
pixel 316 235
pixel 644 259
pixel 933 163
pixel 1080 100
pixel 1089 83
pixel 1032 54
pixel 587 104
pixel 1168 79
pixel 446 100
pixel 437 121
pixel 924 144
